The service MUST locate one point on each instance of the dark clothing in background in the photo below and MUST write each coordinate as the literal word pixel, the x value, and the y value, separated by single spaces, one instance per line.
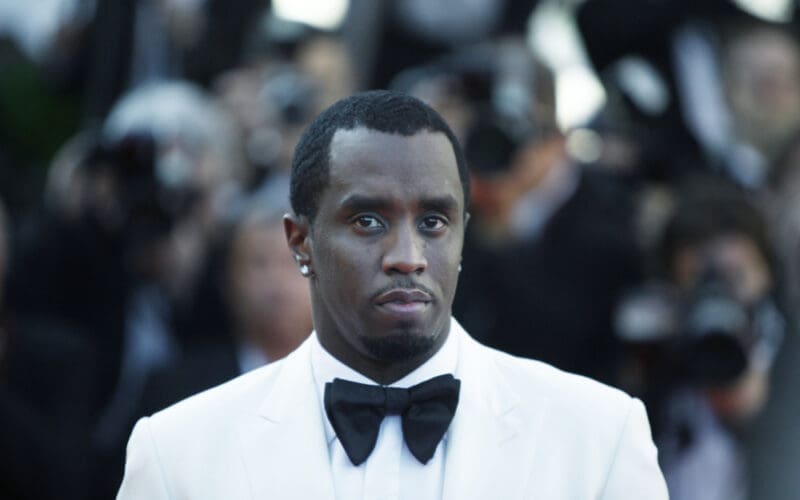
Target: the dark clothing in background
pixel 101 68
pixel 73 274
pixel 225 40
pixel 46 380
pixel 612 30
pixel 552 298
pixel 201 369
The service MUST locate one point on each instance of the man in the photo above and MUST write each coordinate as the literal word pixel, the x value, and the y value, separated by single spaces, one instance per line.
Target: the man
pixel 379 193
pixel 267 309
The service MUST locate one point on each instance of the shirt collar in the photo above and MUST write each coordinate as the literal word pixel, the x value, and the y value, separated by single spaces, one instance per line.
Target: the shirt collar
pixel 325 368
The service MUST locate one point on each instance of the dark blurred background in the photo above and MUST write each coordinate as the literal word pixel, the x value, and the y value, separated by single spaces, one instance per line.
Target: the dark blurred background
pixel 636 209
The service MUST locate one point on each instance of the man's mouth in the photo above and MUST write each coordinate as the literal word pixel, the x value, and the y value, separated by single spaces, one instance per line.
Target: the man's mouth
pixel 404 301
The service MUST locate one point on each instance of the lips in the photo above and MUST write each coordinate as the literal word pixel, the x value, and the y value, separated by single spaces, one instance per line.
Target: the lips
pixel 403 296
pixel 404 304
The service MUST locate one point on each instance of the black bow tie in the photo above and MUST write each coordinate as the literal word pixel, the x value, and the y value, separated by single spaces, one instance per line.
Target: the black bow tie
pixel 356 411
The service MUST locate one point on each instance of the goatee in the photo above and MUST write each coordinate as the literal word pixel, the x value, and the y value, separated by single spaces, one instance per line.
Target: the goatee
pixel 399 347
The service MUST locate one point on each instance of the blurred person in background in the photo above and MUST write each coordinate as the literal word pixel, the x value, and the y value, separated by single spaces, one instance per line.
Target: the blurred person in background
pixel 131 211
pixel 254 300
pixel 178 193
pixel 269 303
pixel 46 380
pixel 65 63
pixel 551 239
pixel 69 268
pixel 39 112
pixel 290 72
pixel 267 309
pixel 123 44
pixel 706 86
pixel 775 438
pixel 704 341
pixel 195 155
pixel 761 78
pixel 413 33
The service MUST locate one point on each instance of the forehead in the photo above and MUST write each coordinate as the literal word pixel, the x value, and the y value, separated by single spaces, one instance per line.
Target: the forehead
pixel 378 164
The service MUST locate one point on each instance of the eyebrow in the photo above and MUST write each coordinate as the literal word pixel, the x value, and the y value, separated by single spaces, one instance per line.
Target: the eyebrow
pixel 444 204
pixel 358 202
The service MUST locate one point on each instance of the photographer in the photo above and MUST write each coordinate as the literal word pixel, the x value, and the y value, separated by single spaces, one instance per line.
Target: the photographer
pixel 705 339
pixel 550 237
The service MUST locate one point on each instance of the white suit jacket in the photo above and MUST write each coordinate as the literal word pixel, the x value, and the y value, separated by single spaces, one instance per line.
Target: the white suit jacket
pixel 522 430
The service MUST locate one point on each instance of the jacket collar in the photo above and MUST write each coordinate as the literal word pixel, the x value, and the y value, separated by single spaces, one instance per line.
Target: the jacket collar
pixel 490 447
pixel 492 440
pixel 283 442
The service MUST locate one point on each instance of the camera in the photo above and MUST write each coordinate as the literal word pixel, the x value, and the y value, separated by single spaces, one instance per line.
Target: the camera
pixel 137 196
pixel 705 335
pixel 718 334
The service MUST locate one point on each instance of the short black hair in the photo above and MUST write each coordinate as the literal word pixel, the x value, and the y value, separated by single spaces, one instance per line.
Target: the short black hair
pixel 707 207
pixel 379 110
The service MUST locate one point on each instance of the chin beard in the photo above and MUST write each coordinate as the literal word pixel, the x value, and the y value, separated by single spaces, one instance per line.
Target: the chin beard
pixel 399 347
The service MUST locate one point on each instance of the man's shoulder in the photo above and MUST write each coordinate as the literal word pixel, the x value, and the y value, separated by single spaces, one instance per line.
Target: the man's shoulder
pixel 176 446
pixel 567 422
pixel 568 393
pixel 583 419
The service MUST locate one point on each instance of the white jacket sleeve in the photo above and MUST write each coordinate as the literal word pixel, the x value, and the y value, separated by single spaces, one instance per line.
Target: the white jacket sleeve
pixel 144 476
pixel 634 473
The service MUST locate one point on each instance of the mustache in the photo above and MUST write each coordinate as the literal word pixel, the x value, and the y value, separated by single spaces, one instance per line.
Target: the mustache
pixel 404 284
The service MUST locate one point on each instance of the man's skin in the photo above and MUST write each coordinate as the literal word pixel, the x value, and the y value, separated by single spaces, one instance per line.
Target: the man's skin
pixel 384 249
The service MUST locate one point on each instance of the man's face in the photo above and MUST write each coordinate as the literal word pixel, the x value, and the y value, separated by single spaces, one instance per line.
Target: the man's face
pixel 385 247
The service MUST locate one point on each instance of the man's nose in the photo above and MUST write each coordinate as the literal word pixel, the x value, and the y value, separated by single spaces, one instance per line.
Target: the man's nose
pixel 405 251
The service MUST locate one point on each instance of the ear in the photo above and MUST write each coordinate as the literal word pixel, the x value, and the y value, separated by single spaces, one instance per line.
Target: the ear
pixel 297 230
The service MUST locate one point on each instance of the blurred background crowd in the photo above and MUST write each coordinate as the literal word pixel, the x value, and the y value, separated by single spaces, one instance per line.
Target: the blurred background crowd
pixel 635 218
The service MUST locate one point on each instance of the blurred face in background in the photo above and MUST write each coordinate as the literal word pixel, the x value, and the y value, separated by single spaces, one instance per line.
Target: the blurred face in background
pixel 272 100
pixel 740 264
pixel 174 259
pixel 762 77
pixel 269 299
pixel 735 256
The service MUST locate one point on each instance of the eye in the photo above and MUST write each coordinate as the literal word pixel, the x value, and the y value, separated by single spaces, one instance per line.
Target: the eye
pixel 433 223
pixel 367 222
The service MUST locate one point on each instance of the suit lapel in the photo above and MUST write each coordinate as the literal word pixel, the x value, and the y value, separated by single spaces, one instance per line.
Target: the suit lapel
pixel 491 441
pixel 284 447
pixel 490 445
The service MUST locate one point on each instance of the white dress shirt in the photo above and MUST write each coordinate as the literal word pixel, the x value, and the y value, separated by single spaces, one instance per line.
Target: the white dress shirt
pixel 391 471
